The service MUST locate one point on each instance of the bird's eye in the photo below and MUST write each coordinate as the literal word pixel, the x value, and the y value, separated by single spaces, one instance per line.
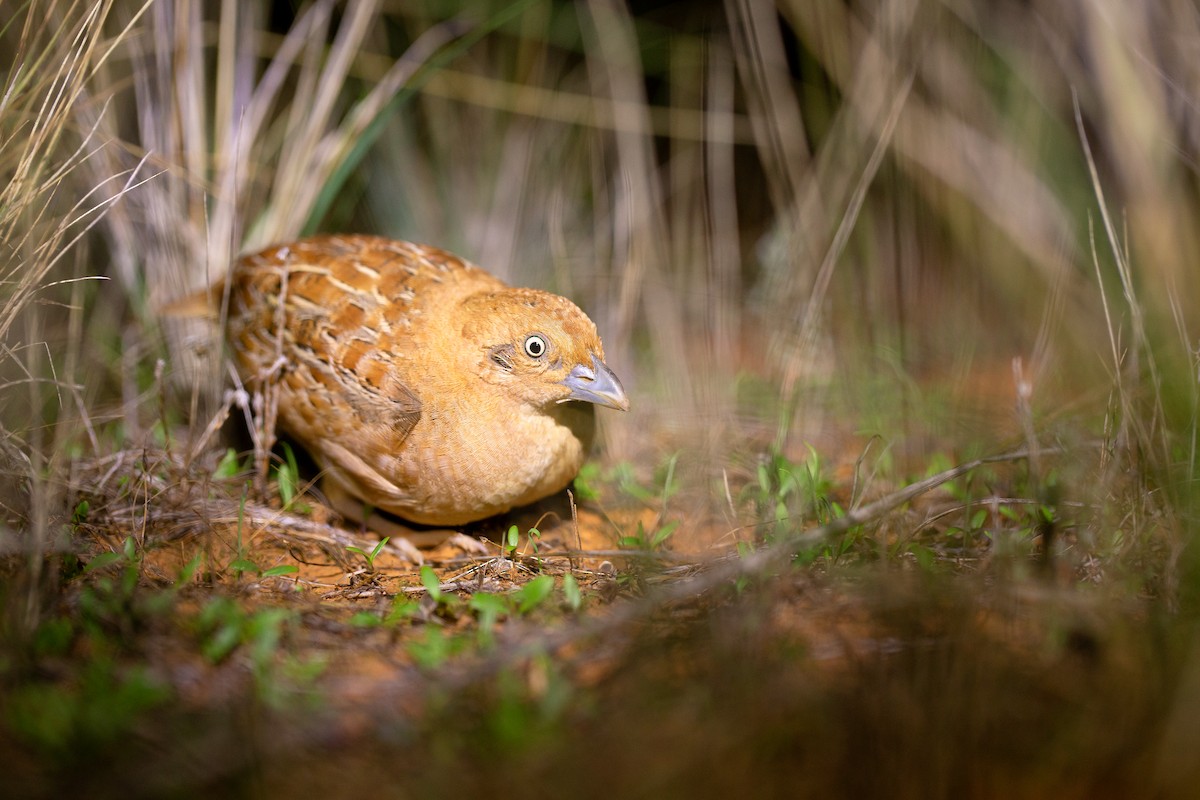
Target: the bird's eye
pixel 535 346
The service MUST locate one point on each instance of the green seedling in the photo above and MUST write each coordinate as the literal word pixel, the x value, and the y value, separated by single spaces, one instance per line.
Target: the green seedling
pixel 241 565
pixel 365 619
pixel 225 626
pixel 403 608
pixel 643 540
pixel 519 719
pixel 371 556
pixel 534 593
pixel 433 586
pixel 229 466
pixel 113 601
pixel 626 479
pixel 511 539
pixel 534 537
pixel 287 476
pixel 103 706
pixel 584 484
pixel 287 479
pixel 221 622
pixel 572 593
pixel 489 608
pixel 432 650
pixel 114 606
pixel 787 493
pixel 106 698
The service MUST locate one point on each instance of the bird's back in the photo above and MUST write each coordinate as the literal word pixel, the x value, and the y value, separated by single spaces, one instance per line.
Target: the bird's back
pixel 345 306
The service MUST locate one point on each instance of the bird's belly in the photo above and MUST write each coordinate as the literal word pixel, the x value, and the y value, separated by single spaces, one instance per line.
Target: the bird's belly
pixel 451 474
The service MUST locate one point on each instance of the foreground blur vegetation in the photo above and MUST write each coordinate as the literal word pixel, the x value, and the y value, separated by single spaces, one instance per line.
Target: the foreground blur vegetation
pixel 904 296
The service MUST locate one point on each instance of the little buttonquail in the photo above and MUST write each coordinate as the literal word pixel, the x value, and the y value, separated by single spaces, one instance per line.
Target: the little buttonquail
pixel 420 384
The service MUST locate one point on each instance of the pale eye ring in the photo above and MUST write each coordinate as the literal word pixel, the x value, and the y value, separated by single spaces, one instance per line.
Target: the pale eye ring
pixel 535 345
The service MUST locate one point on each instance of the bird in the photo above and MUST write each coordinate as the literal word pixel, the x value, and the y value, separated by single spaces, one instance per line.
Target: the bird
pixel 420 384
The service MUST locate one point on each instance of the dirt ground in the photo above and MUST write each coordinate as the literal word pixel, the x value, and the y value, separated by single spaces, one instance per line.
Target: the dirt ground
pixel 243 648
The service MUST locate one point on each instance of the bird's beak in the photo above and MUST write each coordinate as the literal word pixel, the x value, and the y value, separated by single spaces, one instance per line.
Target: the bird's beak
pixel 596 384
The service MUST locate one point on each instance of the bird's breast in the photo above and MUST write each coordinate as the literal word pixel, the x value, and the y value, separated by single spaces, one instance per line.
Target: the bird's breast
pixel 464 462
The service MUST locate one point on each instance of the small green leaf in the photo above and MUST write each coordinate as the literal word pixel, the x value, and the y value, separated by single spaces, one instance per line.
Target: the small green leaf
pixel 669 484
pixel 189 570
pixel 228 466
pixel 978 518
pixel 282 569
pixel 925 557
pixel 287 486
pixel 54 636
pixel 584 482
pixel 433 650
pixel 532 594
pixel 433 586
pixel 378 548
pixel 158 433
pixel 101 561
pixel 787 482
pixel 216 610
pixel 485 602
pixel 291 460
pixel 243 565
pixel 81 512
pixel 365 619
pixel 222 643
pixel 287 476
pixel 489 607
pixel 402 608
pixel 512 538
pixel 263 632
pixel 664 533
pixel 571 592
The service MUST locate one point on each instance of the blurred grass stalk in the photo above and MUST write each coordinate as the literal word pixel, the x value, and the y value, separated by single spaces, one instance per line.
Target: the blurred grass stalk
pixel 873 207
pixel 47 214
pixel 783 216
pixel 149 143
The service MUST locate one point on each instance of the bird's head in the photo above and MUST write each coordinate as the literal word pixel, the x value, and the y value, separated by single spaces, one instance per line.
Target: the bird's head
pixel 539 348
